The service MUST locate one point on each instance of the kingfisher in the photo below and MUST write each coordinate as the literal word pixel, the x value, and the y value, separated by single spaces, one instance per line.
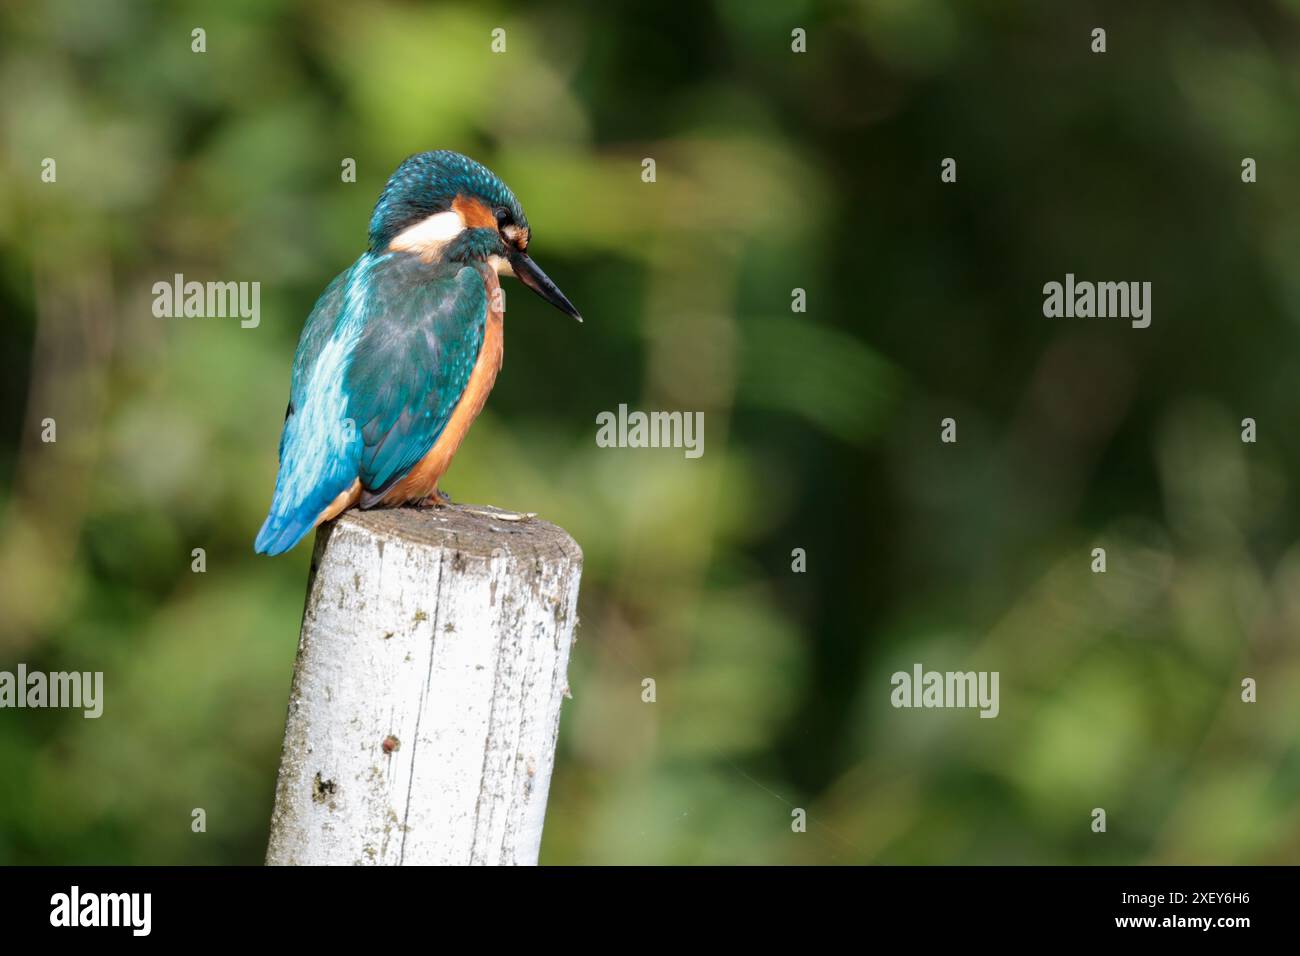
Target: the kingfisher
pixel 402 348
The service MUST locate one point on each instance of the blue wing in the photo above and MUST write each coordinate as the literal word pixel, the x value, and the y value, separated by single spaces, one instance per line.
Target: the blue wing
pixel 381 366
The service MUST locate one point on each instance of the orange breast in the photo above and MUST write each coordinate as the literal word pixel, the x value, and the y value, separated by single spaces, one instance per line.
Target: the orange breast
pixel 422 480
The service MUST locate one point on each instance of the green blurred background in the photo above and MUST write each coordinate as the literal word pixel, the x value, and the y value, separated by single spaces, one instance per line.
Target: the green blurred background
pixel 775 171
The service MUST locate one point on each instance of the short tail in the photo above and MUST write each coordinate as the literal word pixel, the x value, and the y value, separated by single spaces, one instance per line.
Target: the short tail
pixel 281 532
pixel 300 496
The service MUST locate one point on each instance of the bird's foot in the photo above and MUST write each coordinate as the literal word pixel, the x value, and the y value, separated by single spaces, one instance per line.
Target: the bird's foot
pixel 439 499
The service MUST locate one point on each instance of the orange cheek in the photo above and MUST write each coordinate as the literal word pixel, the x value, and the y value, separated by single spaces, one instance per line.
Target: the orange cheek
pixel 474 214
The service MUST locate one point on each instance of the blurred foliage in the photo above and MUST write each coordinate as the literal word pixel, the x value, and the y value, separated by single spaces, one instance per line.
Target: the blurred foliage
pixel 775 170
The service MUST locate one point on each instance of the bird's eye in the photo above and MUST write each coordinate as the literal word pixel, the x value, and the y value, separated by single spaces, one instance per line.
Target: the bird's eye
pixel 503 216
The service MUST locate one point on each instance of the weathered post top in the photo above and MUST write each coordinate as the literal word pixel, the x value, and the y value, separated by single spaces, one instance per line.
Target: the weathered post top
pixel 426 694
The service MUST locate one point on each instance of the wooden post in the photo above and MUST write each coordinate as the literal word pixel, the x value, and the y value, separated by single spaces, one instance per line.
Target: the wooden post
pixel 426 695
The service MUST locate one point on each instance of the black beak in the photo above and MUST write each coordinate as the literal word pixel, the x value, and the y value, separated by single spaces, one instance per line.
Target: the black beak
pixel 528 272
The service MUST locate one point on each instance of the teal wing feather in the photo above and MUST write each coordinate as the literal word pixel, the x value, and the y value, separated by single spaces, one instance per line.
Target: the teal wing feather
pixel 310 469
pixel 321 324
pixel 411 365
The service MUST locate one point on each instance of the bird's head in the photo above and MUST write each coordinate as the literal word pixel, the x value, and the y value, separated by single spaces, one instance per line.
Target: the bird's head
pixel 442 205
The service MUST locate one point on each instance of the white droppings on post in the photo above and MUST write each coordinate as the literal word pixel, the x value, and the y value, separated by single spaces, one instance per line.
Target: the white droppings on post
pixel 426 695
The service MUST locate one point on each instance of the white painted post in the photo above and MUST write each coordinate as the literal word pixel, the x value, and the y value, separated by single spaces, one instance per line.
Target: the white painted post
pixel 426 695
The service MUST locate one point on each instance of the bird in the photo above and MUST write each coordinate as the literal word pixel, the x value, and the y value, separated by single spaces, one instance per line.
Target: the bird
pixel 400 352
